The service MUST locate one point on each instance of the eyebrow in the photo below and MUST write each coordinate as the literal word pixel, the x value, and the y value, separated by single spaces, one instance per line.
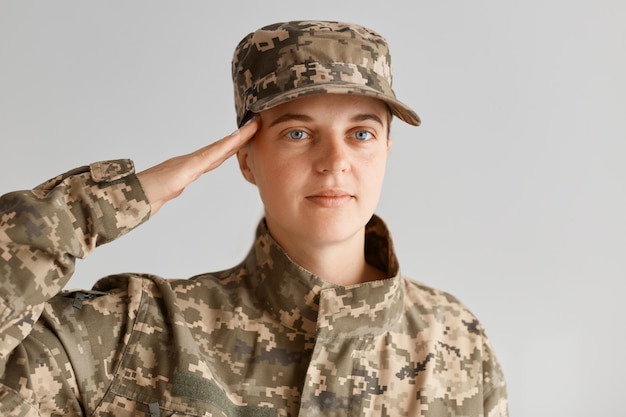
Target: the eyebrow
pixel 291 116
pixel 304 118
pixel 367 116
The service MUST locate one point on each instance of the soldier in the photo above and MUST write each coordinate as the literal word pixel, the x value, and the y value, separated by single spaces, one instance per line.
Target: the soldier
pixel 316 320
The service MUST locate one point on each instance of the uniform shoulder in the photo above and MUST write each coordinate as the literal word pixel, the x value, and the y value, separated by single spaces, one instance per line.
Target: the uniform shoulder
pixel 433 294
pixel 426 300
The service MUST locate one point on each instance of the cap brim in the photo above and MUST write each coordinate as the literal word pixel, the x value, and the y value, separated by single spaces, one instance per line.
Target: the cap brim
pixel 398 109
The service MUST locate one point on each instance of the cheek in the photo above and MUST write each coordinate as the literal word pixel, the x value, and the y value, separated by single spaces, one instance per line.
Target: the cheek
pixel 273 174
pixel 376 163
pixel 373 175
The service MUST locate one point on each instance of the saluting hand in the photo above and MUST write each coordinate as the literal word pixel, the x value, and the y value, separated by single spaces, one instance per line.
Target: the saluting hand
pixel 168 179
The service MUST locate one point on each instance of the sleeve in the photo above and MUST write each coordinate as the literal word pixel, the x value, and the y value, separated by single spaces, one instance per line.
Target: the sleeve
pixel 495 399
pixel 44 230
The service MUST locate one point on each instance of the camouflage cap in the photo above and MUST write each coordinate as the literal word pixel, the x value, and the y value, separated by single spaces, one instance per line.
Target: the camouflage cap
pixel 284 61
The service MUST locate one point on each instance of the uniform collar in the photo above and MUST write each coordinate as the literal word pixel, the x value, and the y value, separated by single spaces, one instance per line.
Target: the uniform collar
pixel 304 302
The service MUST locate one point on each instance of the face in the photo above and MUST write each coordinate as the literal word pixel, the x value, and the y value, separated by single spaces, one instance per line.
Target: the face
pixel 319 163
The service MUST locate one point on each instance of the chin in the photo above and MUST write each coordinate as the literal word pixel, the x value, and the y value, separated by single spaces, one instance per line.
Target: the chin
pixel 334 231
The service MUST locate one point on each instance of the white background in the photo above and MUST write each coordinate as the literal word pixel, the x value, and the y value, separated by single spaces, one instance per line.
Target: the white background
pixel 510 195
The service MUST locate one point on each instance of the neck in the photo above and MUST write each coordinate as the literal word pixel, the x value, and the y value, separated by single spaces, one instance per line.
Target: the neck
pixel 341 263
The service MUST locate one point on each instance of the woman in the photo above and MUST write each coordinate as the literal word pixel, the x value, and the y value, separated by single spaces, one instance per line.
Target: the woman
pixel 317 320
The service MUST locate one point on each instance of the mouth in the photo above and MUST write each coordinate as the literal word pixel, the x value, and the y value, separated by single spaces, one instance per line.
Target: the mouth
pixel 330 198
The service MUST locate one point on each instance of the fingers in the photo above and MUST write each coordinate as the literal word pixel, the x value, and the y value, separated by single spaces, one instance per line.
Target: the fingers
pixel 168 179
pixel 216 153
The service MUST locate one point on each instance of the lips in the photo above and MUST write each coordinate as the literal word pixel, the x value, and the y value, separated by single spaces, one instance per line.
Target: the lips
pixel 331 198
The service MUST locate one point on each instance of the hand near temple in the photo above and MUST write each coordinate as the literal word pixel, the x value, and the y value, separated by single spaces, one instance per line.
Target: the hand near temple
pixel 168 179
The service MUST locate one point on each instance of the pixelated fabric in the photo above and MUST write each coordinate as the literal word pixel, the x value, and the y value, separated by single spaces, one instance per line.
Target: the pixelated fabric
pixel 265 338
pixel 284 61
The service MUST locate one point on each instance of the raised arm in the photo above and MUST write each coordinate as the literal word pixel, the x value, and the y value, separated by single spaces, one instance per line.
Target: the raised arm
pixel 43 231
pixel 168 179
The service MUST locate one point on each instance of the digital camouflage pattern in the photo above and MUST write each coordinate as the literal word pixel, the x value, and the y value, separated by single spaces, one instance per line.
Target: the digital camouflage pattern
pixel 266 338
pixel 284 61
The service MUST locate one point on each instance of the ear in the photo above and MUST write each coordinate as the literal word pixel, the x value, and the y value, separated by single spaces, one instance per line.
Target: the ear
pixel 389 143
pixel 244 157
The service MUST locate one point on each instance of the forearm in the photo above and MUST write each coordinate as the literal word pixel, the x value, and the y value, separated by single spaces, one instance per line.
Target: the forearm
pixel 44 230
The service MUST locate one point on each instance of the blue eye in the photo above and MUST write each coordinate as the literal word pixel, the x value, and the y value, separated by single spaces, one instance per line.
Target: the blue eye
pixel 362 135
pixel 297 134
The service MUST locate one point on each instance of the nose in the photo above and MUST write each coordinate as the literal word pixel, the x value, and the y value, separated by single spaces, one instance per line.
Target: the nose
pixel 333 156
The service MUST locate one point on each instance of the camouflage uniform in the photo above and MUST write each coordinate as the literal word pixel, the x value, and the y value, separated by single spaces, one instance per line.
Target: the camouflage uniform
pixel 265 338
pixel 288 60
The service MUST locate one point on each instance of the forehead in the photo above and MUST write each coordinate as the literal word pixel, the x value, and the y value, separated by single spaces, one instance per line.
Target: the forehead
pixel 338 104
